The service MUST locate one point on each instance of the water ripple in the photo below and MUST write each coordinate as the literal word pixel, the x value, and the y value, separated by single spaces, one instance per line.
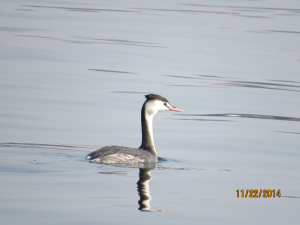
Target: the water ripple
pixel 97 41
pixel 20 29
pixel 219 81
pixel 47 146
pixel 111 71
pixel 252 116
pixel 80 9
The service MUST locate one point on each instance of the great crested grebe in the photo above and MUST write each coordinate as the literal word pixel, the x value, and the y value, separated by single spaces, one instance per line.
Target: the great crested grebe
pixel 146 153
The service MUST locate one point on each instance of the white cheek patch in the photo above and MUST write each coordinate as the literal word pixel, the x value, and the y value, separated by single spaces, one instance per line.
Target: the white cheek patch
pixel 150 112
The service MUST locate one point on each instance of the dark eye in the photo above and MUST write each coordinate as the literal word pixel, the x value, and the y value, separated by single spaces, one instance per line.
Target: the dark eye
pixel 165 104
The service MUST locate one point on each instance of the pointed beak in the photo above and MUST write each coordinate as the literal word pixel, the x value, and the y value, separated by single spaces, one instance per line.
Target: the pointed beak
pixel 175 109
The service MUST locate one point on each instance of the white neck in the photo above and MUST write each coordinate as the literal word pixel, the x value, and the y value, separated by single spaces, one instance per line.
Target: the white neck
pixel 148 112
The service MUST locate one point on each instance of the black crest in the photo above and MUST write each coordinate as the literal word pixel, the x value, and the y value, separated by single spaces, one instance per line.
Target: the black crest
pixel 158 97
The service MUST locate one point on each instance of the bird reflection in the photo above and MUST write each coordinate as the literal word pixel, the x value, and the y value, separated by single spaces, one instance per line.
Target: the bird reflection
pixel 144 190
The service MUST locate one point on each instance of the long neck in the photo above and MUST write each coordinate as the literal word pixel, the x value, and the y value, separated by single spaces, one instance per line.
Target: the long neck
pixel 147 133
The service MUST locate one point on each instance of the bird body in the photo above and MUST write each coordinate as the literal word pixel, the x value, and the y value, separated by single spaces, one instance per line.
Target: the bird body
pixel 146 153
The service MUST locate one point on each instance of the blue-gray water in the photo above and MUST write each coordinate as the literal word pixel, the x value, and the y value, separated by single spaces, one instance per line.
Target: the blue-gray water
pixel 73 75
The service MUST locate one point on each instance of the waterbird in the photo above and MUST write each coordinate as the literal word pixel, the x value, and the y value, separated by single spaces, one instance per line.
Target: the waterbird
pixel 146 153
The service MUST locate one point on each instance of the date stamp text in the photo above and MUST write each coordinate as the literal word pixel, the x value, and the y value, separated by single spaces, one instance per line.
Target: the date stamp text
pixel 266 193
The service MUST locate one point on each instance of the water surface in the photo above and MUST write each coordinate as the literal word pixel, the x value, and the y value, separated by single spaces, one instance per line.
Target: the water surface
pixel 73 76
